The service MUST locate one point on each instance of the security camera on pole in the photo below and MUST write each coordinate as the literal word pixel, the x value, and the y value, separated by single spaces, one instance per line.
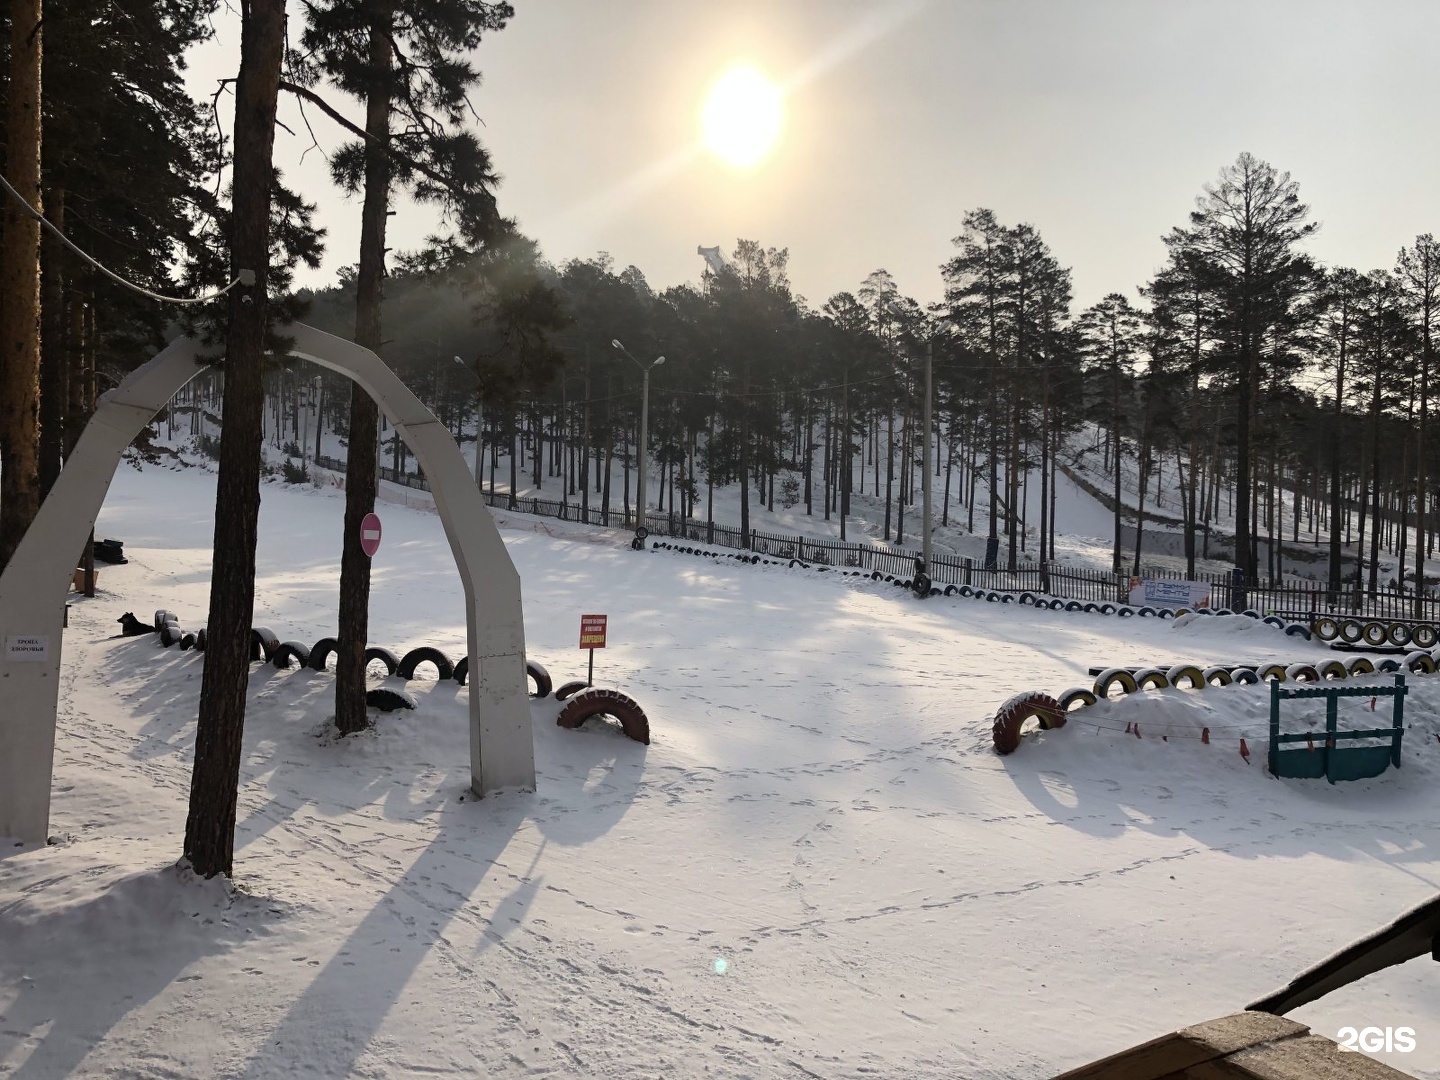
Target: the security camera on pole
pixel 641 532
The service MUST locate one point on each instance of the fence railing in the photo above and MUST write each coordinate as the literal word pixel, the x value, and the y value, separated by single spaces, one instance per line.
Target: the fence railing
pixel 1297 600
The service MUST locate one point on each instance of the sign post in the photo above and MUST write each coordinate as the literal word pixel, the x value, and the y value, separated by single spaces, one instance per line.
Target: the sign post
pixel 370 535
pixel 592 637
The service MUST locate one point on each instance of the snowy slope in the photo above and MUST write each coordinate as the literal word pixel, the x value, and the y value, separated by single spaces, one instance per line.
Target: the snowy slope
pixel 819 867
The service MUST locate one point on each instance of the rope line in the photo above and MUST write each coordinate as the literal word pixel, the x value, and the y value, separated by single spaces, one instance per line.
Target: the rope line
pixel 245 277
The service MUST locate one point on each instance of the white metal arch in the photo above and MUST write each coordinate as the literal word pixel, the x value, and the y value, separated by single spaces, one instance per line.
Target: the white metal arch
pixel 34 584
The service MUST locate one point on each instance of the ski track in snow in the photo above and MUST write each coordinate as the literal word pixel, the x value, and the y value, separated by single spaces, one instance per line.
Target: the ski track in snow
pixel 821 810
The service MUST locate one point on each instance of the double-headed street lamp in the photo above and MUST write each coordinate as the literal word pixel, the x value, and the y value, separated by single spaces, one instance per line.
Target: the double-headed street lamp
pixel 644 439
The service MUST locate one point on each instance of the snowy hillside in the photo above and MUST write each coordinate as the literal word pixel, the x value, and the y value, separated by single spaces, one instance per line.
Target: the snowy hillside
pixel 820 867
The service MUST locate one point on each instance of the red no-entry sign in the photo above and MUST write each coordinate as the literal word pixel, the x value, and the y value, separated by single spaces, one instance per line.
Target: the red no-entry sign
pixel 592 631
pixel 370 535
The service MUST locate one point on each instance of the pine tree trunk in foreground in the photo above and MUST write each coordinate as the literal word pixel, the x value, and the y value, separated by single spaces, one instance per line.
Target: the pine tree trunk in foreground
pixel 210 827
pixel 361 484
pixel 20 287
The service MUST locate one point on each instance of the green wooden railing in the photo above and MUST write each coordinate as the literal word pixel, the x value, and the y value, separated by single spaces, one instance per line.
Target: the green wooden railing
pixel 1331 760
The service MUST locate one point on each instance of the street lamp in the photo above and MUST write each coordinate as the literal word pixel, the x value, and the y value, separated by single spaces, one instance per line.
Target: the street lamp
pixel 644 438
pixel 925 459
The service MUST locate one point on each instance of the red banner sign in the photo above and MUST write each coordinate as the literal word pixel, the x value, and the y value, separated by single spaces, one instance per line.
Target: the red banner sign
pixel 592 631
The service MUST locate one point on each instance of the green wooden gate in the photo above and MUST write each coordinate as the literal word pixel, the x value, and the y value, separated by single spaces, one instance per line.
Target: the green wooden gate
pixel 1332 760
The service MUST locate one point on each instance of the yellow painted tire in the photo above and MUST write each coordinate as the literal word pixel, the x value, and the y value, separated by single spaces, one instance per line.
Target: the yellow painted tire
pixel 1302 673
pixel 1271 671
pixel 1190 673
pixel 1333 669
pixel 1218 676
pixel 1152 679
pixel 1420 662
pixel 1077 696
pixel 1361 665
pixel 1115 676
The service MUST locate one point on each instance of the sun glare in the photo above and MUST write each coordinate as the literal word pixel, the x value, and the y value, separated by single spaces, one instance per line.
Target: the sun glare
pixel 741 117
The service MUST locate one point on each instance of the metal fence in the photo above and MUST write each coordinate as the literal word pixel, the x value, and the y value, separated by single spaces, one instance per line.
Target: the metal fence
pixel 1297 600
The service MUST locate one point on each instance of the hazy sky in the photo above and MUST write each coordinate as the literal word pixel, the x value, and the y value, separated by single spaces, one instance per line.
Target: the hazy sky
pixel 1097 121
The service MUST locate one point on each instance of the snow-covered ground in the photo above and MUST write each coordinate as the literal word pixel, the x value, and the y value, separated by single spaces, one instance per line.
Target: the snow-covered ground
pixel 819 867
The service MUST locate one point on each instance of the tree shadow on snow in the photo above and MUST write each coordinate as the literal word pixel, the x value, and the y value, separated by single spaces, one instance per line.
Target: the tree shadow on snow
pixel 121 948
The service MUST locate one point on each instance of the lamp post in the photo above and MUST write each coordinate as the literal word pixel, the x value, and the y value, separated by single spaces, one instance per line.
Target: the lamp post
pixel 478 420
pixel 644 441
pixel 925 455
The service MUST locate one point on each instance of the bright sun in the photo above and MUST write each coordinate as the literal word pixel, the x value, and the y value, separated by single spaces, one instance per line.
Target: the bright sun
pixel 741 117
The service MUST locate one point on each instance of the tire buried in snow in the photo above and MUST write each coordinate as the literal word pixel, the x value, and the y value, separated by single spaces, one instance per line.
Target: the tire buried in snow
pixel 444 668
pixel 597 702
pixel 1011 717
pixel 291 650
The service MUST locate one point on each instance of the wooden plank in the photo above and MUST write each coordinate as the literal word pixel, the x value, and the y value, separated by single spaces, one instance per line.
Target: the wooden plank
pixel 1168 1055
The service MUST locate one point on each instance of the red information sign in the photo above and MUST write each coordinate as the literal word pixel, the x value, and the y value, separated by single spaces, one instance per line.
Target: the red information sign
pixel 592 631
pixel 370 535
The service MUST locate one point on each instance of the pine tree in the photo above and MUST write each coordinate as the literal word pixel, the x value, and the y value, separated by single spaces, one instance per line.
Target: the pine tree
pixel 405 59
pixel 20 285
pixel 210 826
pixel 1246 229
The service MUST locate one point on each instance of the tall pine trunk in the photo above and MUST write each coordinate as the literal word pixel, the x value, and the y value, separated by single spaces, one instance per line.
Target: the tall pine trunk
pixel 210 826
pixel 361 484
pixel 20 287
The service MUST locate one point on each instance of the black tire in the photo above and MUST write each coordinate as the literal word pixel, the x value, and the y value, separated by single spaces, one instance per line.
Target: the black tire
pixel 1299 630
pixel 637 544
pixel 1007 598
pixel 1092 608
pixel 543 683
pixel 1074 605
pixel 462 670
pixel 1124 611
pixel 159 619
pixel 1250 613
pixel 1108 609
pixel 320 652
pixel 570 689
pixel 1164 613
pixel 1388 664
pixel 1399 634
pixel 291 650
pixel 642 533
pixel 1275 621
pixel 263 644
pixel 1244 677
pixel 1222 611
pixel 950 590
pixel 1027 598
pixel 444 669
pixel 921 585
pixel 387 700
pixel 384 655
pixel 169 634
pixel 187 641
pixel 1375 634
pixel 200 640
pixel 964 590
pixel 1146 612
pixel 1351 631
pixel 597 702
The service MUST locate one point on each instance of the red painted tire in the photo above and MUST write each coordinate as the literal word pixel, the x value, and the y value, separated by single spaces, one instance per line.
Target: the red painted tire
pixel 1011 716
pixel 612 703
